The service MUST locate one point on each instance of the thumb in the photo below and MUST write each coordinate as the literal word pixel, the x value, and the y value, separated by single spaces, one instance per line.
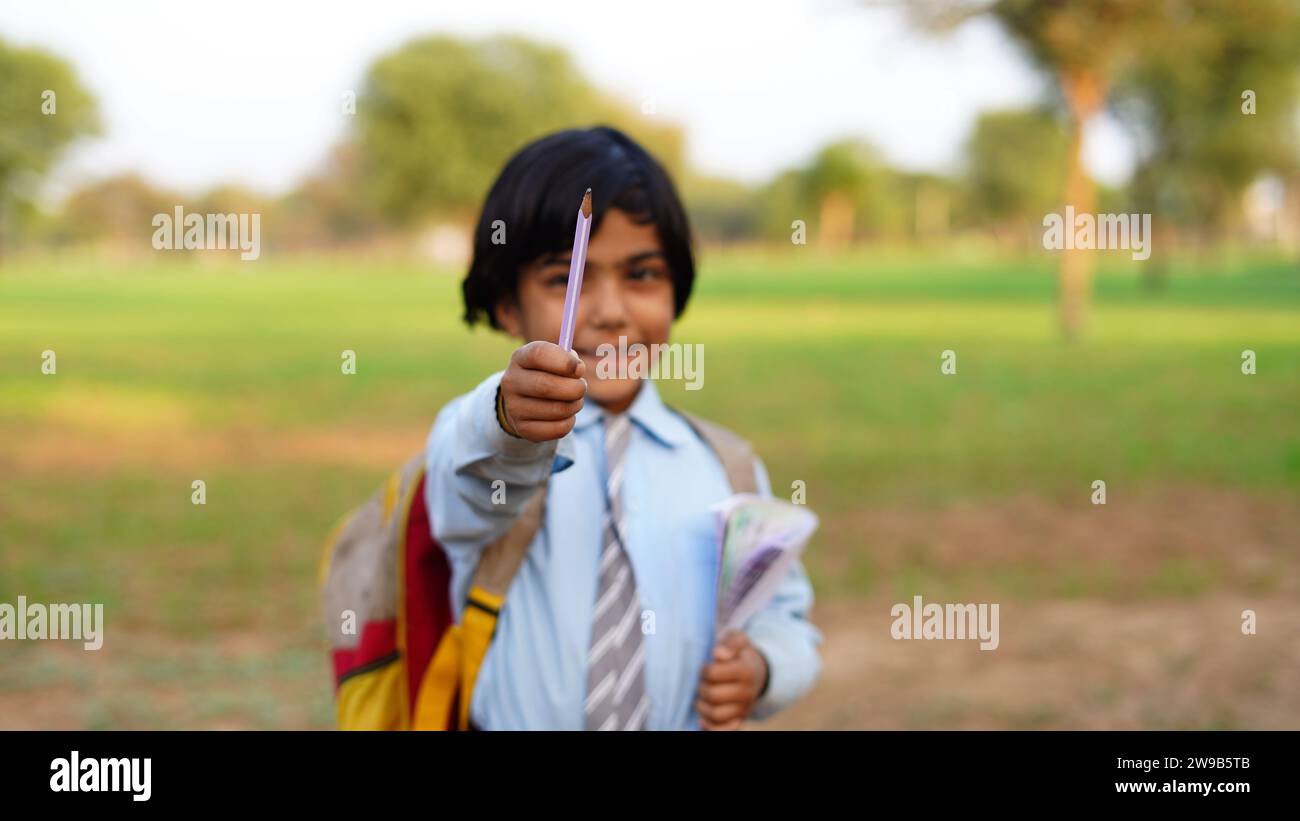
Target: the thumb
pixel 730 646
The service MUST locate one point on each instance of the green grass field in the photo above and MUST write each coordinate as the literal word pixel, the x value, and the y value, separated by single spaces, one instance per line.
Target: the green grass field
pixel 231 374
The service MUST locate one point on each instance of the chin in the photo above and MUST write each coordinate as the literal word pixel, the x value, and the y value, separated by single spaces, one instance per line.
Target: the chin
pixel 613 392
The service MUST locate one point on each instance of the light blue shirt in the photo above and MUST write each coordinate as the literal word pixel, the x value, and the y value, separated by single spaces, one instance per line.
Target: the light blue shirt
pixel 535 673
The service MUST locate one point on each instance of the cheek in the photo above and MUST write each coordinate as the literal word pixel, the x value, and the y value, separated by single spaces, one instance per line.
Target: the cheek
pixel 542 313
pixel 653 314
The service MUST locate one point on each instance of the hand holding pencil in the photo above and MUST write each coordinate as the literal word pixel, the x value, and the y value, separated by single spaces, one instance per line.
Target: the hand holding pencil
pixel 542 390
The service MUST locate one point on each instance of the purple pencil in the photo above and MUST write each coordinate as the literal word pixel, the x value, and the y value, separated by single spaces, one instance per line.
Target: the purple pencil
pixel 577 263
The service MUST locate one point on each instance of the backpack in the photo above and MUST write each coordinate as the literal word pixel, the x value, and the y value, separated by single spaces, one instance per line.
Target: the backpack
pixel 401 660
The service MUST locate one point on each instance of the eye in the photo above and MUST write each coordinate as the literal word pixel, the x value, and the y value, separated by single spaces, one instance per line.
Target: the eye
pixel 562 280
pixel 644 274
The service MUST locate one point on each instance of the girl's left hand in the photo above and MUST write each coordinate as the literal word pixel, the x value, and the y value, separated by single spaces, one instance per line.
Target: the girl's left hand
pixel 730 684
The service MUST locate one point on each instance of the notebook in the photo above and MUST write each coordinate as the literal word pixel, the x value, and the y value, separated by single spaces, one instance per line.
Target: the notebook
pixel 759 539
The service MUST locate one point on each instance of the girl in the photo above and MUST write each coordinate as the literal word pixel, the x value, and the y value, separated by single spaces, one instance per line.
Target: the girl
pixel 608 621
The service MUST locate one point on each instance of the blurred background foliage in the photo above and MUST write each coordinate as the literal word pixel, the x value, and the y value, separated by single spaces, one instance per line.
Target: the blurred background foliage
pixel 426 142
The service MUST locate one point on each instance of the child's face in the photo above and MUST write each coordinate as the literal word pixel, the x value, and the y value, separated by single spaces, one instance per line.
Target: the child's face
pixel 627 290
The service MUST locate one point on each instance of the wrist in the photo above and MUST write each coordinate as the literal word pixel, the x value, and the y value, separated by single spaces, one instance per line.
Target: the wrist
pixel 502 419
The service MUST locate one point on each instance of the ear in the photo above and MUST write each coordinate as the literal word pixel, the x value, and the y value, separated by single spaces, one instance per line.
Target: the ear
pixel 507 316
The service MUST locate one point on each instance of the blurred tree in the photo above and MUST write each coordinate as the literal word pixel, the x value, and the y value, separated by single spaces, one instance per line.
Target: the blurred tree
pixel 926 204
pixel 119 209
pixel 844 180
pixel 43 108
pixel 845 192
pixel 438 118
pixel 721 210
pixel 325 208
pixel 1083 45
pixel 780 202
pixel 229 199
pixel 1200 144
pixel 1013 170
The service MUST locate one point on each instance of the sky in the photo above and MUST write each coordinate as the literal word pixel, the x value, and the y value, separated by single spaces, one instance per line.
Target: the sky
pixel 195 94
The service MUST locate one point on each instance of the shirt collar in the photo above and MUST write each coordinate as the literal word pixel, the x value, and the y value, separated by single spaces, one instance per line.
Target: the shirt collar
pixel 648 411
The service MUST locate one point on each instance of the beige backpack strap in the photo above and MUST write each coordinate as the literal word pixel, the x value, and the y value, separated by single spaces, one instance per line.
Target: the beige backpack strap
pixel 735 453
pixel 501 559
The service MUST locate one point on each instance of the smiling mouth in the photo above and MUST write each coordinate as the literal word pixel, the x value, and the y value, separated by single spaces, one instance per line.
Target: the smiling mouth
pixel 590 353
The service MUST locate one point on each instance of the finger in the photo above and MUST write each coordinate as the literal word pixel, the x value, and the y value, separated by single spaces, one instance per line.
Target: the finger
pixel 734 724
pixel 717 726
pixel 725 672
pixel 543 385
pixel 720 713
pixel 545 431
pixel 730 645
pixel 541 355
pixel 528 409
pixel 736 640
pixel 722 693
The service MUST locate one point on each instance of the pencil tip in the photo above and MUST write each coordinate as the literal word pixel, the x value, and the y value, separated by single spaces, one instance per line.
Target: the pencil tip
pixel 586 203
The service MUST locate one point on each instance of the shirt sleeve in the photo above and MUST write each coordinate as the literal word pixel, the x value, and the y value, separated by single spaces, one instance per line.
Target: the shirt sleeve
pixel 784 635
pixel 478 477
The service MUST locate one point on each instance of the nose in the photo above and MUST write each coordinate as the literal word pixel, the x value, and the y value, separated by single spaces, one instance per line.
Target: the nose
pixel 603 302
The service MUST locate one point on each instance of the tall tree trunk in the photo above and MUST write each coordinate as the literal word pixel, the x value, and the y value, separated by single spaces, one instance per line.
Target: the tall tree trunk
pixel 836 224
pixel 1083 95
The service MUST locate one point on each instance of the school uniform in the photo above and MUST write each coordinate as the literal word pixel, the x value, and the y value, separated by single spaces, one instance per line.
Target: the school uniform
pixel 539 671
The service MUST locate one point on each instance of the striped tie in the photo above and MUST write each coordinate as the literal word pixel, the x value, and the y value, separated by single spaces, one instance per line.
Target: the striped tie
pixel 616 698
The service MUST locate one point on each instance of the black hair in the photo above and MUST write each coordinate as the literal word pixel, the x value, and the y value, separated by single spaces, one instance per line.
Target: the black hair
pixel 537 195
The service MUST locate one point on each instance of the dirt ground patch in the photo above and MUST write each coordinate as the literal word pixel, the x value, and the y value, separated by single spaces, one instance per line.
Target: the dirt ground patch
pixel 146 680
pixel 1076 664
pixel 1181 540
pixel 95 452
pixel 1147 635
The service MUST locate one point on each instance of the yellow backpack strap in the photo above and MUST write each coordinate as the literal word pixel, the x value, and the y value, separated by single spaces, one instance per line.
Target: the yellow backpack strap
pixel 460 654
pixel 736 454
